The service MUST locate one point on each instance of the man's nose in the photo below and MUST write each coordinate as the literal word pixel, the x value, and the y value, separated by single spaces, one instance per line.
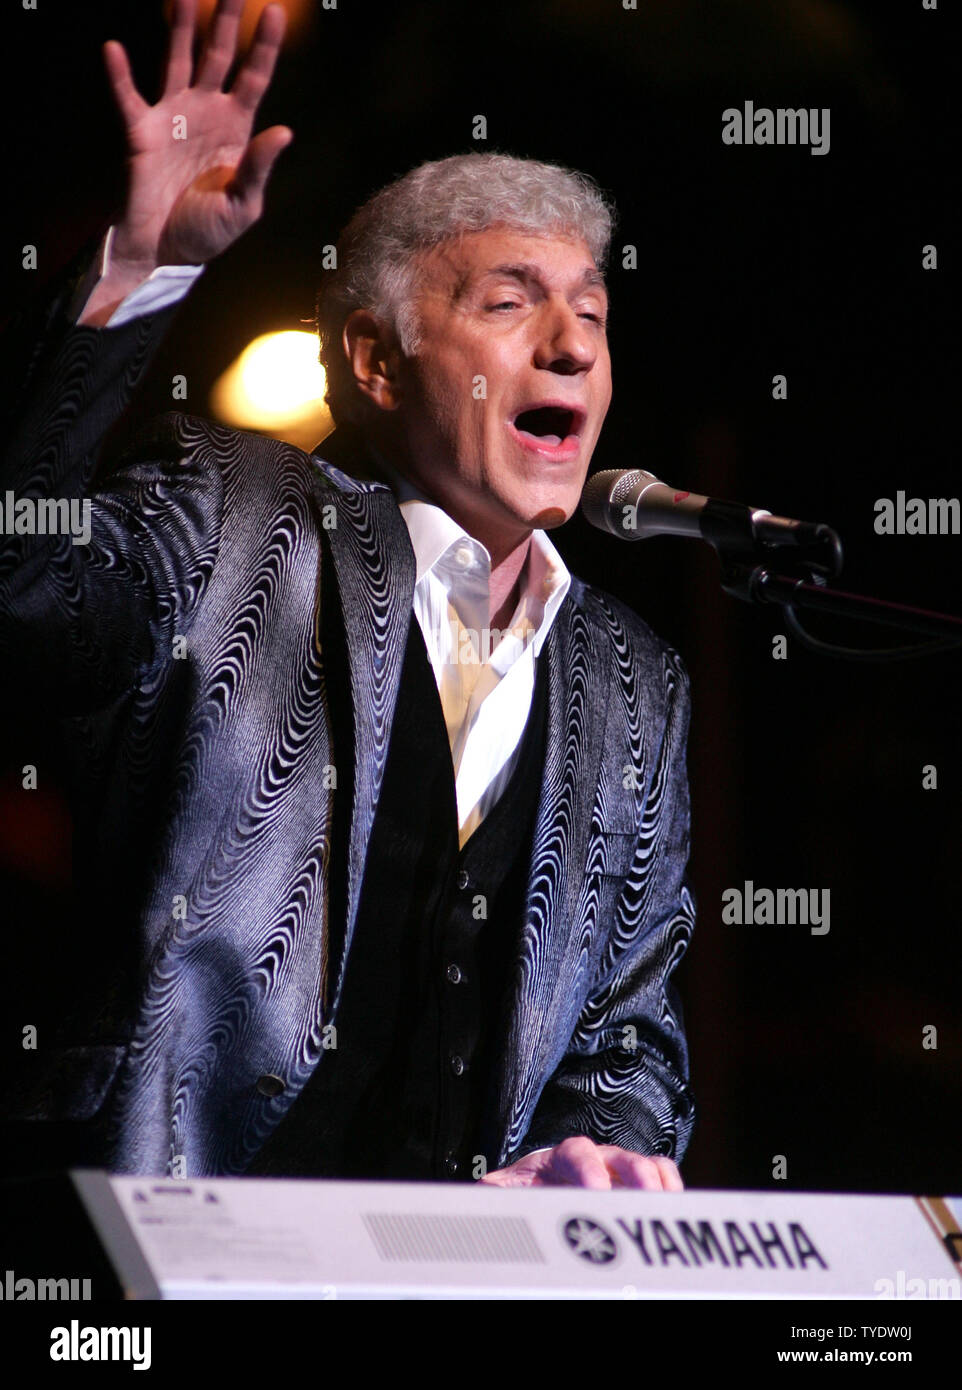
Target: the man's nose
pixel 566 342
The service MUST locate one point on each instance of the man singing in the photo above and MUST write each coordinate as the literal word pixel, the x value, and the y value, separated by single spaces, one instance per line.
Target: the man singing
pixel 384 811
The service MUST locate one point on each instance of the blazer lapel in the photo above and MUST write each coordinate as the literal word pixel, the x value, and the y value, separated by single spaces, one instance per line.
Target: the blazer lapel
pixel 375 570
pixel 549 959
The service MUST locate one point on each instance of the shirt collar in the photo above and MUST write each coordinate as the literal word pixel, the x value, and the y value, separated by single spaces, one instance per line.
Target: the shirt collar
pixel 545 578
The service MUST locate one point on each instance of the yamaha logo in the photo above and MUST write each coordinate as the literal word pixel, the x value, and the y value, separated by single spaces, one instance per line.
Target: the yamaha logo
pixel 589 1241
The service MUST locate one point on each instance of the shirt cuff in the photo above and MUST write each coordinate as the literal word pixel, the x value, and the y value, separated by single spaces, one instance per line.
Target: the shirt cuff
pixel 163 287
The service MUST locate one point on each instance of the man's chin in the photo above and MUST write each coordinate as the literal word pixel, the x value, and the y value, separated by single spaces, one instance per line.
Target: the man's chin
pixel 541 509
pixel 546 517
pixel 549 517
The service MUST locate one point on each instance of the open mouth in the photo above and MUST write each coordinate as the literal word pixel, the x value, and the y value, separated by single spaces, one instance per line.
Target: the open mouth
pixel 549 425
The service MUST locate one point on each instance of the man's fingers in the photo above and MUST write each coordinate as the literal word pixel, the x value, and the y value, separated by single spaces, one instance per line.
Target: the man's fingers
pixel 180 56
pixel 671 1179
pixel 633 1170
pixel 255 74
pixel 221 45
pixel 577 1162
pixel 580 1162
pixel 129 101
pixel 654 1173
pixel 258 159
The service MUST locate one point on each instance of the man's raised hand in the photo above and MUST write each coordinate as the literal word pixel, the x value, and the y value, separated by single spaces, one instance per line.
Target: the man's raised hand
pixel 196 178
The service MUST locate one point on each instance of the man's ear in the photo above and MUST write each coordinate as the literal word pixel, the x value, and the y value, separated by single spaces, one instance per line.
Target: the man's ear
pixel 374 357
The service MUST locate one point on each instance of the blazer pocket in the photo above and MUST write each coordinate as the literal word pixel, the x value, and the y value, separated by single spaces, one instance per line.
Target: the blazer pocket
pixel 618 850
pixel 65 1083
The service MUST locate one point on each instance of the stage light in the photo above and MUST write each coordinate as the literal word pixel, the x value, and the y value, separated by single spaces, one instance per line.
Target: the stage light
pixel 276 385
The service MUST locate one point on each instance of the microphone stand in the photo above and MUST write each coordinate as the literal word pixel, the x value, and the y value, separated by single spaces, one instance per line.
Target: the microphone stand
pixel 793 573
pixel 765 587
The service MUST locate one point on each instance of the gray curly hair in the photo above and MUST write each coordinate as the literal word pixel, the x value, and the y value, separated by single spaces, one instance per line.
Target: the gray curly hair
pixel 434 202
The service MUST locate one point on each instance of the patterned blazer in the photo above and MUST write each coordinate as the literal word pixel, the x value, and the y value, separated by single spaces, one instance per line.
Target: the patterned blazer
pixel 180 654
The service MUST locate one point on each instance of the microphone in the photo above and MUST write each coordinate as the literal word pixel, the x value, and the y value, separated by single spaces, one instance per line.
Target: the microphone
pixel 634 504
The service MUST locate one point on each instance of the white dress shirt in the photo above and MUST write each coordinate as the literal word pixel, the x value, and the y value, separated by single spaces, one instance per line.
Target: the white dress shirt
pixel 163 287
pixel 485 678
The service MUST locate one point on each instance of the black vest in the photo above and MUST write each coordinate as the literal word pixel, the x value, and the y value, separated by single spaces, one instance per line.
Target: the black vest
pixel 408 1092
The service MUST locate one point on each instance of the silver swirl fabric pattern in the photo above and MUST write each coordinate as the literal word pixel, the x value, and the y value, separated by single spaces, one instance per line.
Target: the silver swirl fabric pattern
pixel 181 655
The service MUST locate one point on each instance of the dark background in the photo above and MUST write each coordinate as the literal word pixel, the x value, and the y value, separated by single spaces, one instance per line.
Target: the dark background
pixel 805 772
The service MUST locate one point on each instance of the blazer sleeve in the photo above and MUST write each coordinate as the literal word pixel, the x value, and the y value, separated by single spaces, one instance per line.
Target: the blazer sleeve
pixel 624 1078
pixel 80 620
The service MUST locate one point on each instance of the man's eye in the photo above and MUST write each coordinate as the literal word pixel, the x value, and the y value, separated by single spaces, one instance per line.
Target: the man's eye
pixel 595 318
pixel 506 304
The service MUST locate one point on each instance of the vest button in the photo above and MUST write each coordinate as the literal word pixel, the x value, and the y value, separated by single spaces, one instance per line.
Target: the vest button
pixel 270 1085
pixel 454 974
pixel 451 1165
pixel 457 1064
pixel 463 878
